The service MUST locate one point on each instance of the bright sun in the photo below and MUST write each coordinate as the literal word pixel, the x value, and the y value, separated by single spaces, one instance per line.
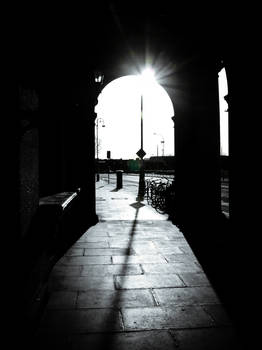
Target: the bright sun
pixel 119 106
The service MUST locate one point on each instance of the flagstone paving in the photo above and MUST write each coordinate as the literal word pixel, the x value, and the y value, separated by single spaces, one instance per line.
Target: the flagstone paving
pixel 132 282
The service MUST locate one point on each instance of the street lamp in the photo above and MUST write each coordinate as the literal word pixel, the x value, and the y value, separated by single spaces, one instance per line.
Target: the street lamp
pixel 141 153
pixel 163 144
pixel 146 77
pixel 99 79
pixel 98 120
pixel 173 119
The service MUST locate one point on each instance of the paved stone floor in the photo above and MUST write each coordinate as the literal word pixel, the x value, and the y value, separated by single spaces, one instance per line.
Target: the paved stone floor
pixel 132 282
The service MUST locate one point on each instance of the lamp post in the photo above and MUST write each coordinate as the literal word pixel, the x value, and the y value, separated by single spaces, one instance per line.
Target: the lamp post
pixel 173 119
pixel 163 144
pixel 98 120
pixel 141 153
pixel 146 78
pixel 99 79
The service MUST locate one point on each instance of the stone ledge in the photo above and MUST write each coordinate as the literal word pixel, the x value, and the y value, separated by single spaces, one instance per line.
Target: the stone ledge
pixel 58 202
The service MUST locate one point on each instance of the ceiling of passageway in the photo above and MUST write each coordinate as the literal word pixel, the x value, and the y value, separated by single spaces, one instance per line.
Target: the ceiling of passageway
pixel 112 34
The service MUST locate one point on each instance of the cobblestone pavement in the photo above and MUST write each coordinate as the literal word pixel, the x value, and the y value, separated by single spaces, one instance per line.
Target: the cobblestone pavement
pixel 132 282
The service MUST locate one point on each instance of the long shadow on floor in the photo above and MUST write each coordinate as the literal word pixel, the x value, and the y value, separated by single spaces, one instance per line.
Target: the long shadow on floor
pixel 107 339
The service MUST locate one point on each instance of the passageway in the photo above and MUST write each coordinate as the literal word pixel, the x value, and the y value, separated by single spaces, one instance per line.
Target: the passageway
pixel 133 278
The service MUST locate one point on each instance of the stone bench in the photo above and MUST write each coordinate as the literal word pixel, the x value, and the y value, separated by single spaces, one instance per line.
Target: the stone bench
pixel 58 202
pixel 56 215
pixel 50 236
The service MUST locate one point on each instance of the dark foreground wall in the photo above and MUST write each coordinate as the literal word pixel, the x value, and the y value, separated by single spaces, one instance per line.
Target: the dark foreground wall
pixel 54 155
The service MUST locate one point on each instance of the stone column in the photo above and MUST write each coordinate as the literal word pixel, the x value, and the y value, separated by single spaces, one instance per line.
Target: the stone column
pixel 86 99
pixel 197 184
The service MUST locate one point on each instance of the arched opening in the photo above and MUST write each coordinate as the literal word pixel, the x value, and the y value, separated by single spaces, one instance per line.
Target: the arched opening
pixel 224 141
pixel 121 106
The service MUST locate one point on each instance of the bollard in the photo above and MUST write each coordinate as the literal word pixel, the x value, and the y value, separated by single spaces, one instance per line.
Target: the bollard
pixel 119 179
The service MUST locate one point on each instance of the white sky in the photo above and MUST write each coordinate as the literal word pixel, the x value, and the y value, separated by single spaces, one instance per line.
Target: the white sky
pixel 119 109
pixel 119 105
pixel 223 106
